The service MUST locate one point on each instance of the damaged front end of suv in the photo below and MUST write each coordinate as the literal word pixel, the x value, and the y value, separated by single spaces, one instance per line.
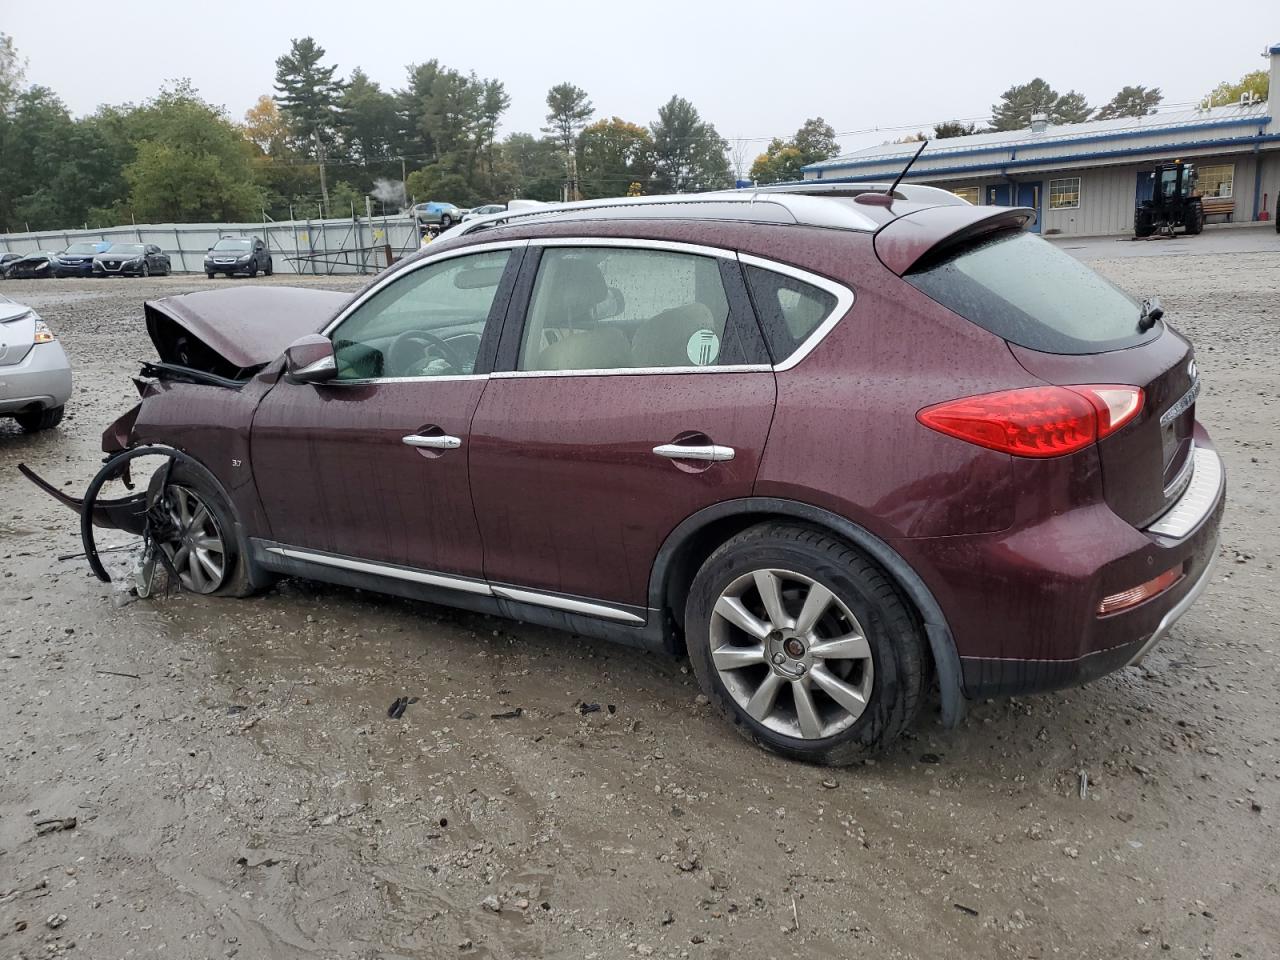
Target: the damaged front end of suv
pixel 219 352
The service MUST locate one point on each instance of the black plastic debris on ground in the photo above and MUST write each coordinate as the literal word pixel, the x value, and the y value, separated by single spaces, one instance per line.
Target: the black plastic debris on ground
pixel 54 825
pixel 509 715
pixel 398 707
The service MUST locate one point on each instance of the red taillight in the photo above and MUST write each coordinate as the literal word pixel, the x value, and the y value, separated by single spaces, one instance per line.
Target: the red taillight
pixel 1139 594
pixel 1037 421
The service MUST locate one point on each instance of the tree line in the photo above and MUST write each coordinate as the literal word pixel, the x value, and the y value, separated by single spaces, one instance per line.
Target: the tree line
pixel 320 144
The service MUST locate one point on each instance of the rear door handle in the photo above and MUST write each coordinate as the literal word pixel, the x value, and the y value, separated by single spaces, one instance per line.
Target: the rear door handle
pixel 441 441
pixel 681 451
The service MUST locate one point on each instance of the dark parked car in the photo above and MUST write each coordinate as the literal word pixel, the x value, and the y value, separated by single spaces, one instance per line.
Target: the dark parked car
pixel 835 447
pixel 7 258
pixel 232 255
pixel 132 259
pixel 77 259
pixel 32 266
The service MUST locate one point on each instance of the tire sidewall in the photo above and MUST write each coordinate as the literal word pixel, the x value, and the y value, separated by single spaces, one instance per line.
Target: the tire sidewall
pixel 863 737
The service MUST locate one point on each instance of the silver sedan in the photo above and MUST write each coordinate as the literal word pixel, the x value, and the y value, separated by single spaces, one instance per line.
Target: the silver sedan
pixel 35 377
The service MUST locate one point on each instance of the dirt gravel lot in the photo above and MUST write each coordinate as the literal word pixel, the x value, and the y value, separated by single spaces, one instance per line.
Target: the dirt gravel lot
pixel 246 795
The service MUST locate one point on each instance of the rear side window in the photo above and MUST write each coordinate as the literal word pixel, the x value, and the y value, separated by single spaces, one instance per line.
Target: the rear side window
pixel 1027 291
pixel 790 310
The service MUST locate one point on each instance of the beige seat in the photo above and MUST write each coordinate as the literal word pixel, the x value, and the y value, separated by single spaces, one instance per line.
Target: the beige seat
pixel 663 341
pixel 603 348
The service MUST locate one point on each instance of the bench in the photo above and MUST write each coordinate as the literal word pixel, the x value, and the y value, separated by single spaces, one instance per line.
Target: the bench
pixel 1217 206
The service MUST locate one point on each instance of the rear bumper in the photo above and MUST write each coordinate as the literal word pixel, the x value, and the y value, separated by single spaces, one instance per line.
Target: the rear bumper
pixel 1022 604
pixel 40 381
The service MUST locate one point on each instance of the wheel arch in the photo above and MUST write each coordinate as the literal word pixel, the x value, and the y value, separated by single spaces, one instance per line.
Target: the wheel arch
pixel 697 536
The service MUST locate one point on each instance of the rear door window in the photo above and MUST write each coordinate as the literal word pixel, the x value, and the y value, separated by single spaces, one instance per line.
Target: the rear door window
pixel 1024 289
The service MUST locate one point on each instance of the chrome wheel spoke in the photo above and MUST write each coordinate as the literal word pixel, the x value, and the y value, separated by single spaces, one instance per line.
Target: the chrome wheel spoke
pixel 184 509
pixel 730 657
pixel 815 605
pixel 853 646
pixel 761 703
pixel 842 693
pixel 199 517
pixel 806 711
pixel 180 556
pixel 212 569
pixel 194 571
pixel 212 544
pixel 770 588
pixel 731 609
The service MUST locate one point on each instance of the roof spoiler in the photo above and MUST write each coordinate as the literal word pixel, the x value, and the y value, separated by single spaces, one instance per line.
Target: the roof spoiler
pixel 902 243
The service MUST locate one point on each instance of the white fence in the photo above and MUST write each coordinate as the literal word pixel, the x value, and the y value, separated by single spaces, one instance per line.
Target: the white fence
pixel 347 245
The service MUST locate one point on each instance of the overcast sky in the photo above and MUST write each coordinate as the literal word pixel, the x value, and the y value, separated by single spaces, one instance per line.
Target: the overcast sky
pixel 756 70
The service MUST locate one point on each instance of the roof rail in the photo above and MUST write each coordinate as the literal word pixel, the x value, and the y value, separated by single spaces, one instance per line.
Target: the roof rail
pixel 780 207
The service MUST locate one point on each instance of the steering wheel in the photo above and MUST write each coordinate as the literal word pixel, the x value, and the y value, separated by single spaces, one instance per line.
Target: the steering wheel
pixel 414 349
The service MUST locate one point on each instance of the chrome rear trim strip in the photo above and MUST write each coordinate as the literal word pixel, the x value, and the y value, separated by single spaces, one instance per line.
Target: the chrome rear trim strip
pixel 1198 499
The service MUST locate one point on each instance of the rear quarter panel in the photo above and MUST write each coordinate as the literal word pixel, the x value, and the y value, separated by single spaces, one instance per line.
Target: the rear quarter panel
pixel 845 436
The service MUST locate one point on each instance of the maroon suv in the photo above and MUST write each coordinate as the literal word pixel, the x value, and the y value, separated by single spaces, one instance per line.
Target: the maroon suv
pixel 836 446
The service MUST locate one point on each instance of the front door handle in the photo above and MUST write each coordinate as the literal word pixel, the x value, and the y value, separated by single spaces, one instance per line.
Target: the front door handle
pixel 682 451
pixel 440 441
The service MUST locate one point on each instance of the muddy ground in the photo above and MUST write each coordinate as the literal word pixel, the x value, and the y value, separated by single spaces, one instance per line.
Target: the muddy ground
pixel 246 795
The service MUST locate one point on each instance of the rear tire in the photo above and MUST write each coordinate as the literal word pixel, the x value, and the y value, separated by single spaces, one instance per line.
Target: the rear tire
pixel 851 685
pixel 269 269
pixel 1195 222
pixel 40 419
pixel 209 275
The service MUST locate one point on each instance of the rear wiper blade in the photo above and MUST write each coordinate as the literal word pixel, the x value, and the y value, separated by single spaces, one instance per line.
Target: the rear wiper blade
pixel 1151 312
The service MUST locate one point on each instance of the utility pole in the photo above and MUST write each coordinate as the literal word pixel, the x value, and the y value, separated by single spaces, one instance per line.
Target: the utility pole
pixel 324 187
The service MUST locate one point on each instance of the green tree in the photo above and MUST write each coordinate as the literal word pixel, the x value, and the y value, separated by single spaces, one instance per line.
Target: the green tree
pixel 1254 82
pixel 438 182
pixel 308 95
pixel 568 110
pixel 689 154
pixel 954 128
pixel 612 155
pixel 12 71
pixel 816 140
pixel 192 163
pixel 1136 101
pixel 530 168
pixel 1021 101
pixel 367 119
pixel 289 184
pixel 784 160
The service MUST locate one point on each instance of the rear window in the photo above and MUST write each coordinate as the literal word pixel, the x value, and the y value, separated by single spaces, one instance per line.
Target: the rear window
pixel 1024 289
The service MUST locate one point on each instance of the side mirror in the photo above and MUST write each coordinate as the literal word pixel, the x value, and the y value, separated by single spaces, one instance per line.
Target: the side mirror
pixel 310 359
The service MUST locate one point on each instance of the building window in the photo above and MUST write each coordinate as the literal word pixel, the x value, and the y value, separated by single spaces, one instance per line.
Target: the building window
pixel 1215 180
pixel 1064 194
pixel 967 193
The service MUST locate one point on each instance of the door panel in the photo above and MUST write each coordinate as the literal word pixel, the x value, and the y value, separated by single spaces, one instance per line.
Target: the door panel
pixel 335 474
pixel 1029 196
pixel 569 493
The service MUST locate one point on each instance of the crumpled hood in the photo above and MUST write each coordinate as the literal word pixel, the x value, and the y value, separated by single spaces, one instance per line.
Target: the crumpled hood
pixel 233 333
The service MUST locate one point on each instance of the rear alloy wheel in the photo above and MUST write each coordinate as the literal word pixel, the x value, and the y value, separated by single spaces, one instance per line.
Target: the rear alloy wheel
pixel 804 644
pixel 195 544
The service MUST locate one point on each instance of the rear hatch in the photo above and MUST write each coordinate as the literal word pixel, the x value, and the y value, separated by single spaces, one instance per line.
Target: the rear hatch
pixel 17 332
pixel 1068 325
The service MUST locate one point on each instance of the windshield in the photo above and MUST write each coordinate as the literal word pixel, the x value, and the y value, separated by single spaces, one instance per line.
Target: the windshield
pixel 1024 289
pixel 133 248
pixel 231 243
pixel 86 248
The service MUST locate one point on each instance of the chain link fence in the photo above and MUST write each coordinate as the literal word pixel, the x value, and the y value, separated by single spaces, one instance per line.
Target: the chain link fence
pixel 322 247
